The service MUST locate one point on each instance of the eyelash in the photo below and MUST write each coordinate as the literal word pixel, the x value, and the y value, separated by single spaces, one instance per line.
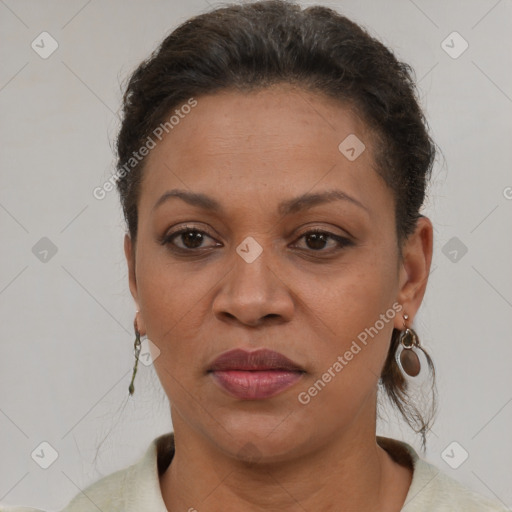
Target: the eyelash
pixel 341 241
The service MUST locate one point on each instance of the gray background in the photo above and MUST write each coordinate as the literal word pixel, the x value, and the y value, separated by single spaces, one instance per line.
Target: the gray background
pixel 66 318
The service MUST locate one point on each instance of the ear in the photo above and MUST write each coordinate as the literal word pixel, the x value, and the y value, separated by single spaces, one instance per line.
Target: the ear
pixel 415 269
pixel 129 252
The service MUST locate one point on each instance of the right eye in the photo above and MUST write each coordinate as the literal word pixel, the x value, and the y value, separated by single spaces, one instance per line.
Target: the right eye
pixel 188 239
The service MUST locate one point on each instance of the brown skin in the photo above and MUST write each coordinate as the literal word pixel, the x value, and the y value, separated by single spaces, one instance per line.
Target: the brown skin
pixel 309 302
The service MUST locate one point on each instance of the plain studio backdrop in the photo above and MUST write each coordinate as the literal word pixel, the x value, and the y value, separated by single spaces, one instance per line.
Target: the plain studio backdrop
pixel 66 311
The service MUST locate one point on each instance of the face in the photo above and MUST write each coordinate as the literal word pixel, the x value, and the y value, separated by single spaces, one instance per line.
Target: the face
pixel 256 232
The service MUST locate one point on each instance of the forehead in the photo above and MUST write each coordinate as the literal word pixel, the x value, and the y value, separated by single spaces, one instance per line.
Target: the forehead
pixel 271 119
pixel 277 141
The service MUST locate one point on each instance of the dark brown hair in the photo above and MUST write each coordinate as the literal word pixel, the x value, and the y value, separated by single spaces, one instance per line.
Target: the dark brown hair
pixel 255 45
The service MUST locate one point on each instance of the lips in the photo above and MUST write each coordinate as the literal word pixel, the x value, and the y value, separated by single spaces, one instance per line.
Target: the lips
pixel 254 375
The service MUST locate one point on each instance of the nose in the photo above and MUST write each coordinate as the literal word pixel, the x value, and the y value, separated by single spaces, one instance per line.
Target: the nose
pixel 254 294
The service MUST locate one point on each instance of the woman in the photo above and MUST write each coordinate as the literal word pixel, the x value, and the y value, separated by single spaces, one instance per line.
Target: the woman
pixel 272 166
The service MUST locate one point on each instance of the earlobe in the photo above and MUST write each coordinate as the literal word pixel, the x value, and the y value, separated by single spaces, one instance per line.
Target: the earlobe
pixel 415 268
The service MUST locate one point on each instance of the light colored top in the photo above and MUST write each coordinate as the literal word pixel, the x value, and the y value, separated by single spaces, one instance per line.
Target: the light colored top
pixel 137 487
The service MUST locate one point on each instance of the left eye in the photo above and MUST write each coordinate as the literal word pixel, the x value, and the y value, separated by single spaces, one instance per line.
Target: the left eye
pixel 318 240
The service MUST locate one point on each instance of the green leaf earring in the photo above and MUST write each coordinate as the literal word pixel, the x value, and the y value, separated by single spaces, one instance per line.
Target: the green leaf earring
pixel 136 347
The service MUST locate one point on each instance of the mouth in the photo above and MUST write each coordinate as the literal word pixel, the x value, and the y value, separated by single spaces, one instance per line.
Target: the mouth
pixel 254 375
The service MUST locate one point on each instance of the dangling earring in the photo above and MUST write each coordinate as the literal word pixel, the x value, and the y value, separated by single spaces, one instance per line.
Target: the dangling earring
pixel 136 347
pixel 407 352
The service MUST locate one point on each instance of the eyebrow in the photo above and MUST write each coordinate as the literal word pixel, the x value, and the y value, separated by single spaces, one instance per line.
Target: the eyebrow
pixel 290 206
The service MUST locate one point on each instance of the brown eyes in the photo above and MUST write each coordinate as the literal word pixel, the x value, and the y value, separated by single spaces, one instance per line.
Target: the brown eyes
pixel 192 239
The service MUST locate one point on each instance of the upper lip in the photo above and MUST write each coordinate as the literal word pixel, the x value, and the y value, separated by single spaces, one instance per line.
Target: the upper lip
pixel 261 359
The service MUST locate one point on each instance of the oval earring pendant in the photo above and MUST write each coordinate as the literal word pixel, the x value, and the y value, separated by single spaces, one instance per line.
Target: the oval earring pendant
pixel 410 362
pixel 413 364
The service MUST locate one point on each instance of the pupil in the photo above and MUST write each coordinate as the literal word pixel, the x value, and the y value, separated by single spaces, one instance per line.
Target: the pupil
pixel 318 241
pixel 192 239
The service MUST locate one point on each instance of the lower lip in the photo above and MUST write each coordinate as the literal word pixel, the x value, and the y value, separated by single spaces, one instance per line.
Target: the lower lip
pixel 255 385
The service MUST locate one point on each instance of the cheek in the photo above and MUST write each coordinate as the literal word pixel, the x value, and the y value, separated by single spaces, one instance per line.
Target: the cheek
pixel 355 312
pixel 173 310
pixel 355 295
pixel 175 304
pixel 348 367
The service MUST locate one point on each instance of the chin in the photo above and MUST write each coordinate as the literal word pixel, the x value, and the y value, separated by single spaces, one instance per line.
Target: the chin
pixel 259 438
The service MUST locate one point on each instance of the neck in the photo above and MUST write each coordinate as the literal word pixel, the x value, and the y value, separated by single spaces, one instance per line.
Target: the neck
pixel 349 472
